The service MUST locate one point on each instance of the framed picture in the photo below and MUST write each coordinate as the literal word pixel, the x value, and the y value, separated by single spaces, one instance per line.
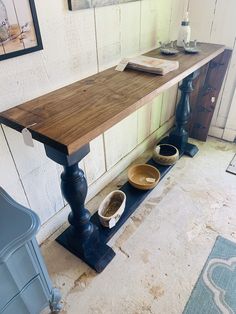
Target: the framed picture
pixel 86 4
pixel 19 28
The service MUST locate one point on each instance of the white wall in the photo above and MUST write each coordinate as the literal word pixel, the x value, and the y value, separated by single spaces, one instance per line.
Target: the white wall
pixel 214 21
pixel 76 45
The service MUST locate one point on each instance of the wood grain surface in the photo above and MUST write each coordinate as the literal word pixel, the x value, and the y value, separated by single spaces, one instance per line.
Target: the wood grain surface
pixel 72 116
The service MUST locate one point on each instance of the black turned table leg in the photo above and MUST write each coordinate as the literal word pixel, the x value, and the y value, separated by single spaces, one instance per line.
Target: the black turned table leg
pixel 179 135
pixel 82 237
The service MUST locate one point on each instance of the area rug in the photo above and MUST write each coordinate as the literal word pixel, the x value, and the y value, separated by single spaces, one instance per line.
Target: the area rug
pixel 215 290
pixel 232 166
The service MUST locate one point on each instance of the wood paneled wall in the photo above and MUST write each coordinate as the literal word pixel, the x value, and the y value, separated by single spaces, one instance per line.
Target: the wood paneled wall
pixel 79 44
pixel 214 21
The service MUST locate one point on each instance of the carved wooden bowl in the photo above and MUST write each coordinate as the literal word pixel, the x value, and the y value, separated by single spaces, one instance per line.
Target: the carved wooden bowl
pixel 111 208
pixel 165 154
pixel 143 176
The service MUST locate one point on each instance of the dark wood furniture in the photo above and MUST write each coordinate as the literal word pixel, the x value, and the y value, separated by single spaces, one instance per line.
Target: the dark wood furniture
pixel 206 92
pixel 66 120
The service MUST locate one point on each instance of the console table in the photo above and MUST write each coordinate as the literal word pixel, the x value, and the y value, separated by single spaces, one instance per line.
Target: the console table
pixel 66 120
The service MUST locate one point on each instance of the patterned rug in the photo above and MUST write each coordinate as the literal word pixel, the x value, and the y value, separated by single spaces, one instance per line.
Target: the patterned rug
pixel 215 290
pixel 232 166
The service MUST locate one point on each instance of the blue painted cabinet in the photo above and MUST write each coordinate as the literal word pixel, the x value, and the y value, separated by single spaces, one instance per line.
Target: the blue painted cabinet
pixel 25 286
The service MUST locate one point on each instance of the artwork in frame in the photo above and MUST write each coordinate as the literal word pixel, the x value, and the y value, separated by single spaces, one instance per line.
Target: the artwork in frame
pixel 19 28
pixel 86 4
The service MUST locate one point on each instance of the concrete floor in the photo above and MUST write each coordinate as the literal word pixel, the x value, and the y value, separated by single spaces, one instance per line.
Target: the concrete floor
pixel 162 248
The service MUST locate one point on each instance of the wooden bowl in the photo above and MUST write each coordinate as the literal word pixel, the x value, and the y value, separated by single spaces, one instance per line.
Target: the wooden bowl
pixel 143 176
pixel 111 208
pixel 165 154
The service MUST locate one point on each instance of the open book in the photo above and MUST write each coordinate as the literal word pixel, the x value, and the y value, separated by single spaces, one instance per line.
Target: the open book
pixel 148 64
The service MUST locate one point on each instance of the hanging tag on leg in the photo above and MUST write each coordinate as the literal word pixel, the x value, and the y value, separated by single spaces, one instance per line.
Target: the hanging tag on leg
pixel 27 137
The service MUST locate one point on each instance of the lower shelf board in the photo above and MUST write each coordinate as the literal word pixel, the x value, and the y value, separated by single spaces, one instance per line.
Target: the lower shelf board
pixel 134 198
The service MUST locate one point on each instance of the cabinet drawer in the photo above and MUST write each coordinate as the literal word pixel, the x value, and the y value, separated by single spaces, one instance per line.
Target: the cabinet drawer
pixel 16 273
pixel 31 300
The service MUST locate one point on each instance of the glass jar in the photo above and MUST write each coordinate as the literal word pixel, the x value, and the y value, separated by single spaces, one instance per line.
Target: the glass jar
pixel 4 23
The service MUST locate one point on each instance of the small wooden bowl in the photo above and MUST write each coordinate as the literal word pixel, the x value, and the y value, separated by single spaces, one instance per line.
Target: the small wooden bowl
pixel 143 176
pixel 112 208
pixel 165 154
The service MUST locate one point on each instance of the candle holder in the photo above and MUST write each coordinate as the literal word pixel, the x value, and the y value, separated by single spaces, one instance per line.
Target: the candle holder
pixel 169 48
pixel 191 47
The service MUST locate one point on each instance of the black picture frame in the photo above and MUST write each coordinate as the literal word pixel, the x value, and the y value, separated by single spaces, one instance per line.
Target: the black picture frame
pixel 86 4
pixel 39 45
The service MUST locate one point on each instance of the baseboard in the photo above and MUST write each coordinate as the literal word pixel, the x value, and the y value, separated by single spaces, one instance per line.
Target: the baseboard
pixel 229 135
pixel 55 222
pixel 225 134
pixel 216 132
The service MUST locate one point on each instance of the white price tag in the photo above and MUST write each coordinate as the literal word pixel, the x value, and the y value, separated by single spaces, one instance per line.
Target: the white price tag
pixel 213 99
pixel 122 65
pixel 150 180
pixel 27 137
pixel 112 223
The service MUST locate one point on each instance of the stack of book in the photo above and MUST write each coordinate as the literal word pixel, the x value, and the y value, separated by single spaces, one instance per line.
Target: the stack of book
pixel 148 64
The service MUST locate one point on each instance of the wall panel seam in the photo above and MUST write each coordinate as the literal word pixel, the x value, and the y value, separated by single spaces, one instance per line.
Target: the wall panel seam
pixel 4 134
pixel 212 22
pixel 96 38
pixel 223 89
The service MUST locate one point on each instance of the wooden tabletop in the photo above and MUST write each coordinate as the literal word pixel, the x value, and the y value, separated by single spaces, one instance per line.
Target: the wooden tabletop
pixel 68 118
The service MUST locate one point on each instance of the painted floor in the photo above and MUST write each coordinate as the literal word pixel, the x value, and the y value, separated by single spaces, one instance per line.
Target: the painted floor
pixel 162 248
